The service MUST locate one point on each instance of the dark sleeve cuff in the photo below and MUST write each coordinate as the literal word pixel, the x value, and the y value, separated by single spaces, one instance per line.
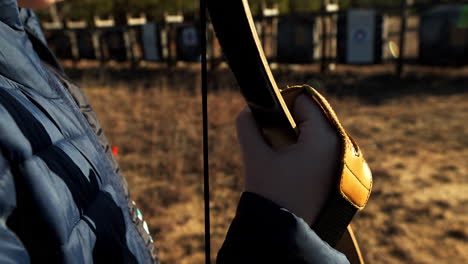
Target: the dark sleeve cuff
pixel 263 232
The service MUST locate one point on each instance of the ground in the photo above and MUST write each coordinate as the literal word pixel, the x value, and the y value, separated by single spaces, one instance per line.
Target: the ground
pixel 412 130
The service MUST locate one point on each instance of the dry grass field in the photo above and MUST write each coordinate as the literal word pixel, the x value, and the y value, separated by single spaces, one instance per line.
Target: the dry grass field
pixel 412 130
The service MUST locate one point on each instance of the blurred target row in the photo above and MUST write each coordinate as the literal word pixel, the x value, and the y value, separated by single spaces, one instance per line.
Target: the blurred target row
pixel 136 41
pixel 354 36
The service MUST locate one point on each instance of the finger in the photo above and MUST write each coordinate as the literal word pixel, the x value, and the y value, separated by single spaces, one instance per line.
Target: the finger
pixel 306 109
pixel 249 134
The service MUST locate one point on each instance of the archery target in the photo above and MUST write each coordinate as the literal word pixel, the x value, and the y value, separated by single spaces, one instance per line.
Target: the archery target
pixel 85 44
pixel 443 35
pixel 360 41
pixel 113 44
pixel 150 42
pixel 296 39
pixel 188 43
pixel 59 42
pixel 189 37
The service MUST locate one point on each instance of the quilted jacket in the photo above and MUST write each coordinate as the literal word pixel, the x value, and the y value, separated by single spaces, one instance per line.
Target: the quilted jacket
pixel 62 198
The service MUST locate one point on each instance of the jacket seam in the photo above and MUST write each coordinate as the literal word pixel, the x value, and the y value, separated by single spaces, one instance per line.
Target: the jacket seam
pixel 58 142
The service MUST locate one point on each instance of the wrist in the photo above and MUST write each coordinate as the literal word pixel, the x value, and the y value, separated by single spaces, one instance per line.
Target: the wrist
pixel 303 207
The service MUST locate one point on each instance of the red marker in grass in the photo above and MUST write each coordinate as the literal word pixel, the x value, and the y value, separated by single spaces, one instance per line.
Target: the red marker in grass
pixel 115 150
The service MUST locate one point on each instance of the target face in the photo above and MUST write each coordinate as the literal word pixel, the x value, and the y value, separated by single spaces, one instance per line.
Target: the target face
pixel 360 35
pixel 189 37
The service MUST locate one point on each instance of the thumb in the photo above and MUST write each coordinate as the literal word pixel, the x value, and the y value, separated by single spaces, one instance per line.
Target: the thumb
pixel 310 118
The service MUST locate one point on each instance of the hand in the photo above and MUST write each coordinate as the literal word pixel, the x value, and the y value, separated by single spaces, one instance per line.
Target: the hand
pixel 298 177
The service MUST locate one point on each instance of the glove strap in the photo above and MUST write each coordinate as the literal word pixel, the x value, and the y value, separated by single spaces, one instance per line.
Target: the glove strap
pixel 355 178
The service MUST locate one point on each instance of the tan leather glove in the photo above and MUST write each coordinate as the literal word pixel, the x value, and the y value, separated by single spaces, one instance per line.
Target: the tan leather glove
pixel 298 177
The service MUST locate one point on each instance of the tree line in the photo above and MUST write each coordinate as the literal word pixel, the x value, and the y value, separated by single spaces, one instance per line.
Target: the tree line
pixel 155 9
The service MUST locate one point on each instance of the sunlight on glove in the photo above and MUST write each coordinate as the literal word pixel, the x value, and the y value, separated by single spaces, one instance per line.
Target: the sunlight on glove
pixel 298 177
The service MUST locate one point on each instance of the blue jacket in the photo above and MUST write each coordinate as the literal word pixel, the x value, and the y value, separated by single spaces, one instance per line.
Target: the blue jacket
pixel 62 196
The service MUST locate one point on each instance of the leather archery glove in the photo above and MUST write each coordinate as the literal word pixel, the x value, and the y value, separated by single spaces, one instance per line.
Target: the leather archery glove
pixel 298 177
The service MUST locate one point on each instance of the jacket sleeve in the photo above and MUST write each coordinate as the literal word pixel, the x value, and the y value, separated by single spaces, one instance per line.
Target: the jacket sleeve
pixel 262 232
pixel 11 248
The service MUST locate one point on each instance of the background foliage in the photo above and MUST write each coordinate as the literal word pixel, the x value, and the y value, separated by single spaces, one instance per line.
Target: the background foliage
pixel 86 9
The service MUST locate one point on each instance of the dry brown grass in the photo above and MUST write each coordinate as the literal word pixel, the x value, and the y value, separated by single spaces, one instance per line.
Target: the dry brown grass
pixel 416 143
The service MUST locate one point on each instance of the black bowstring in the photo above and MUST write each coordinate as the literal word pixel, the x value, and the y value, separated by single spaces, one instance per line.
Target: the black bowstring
pixel 206 176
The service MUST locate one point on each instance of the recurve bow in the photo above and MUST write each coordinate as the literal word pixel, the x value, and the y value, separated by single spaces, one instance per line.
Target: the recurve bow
pixel 235 30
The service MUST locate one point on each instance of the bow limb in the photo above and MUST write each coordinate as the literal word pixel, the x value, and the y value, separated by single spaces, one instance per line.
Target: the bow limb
pixel 235 30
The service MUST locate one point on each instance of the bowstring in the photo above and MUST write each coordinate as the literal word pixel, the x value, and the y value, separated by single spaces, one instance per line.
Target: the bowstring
pixel 204 86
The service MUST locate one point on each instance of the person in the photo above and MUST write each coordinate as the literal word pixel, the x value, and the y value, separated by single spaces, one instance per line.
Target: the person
pixel 63 198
